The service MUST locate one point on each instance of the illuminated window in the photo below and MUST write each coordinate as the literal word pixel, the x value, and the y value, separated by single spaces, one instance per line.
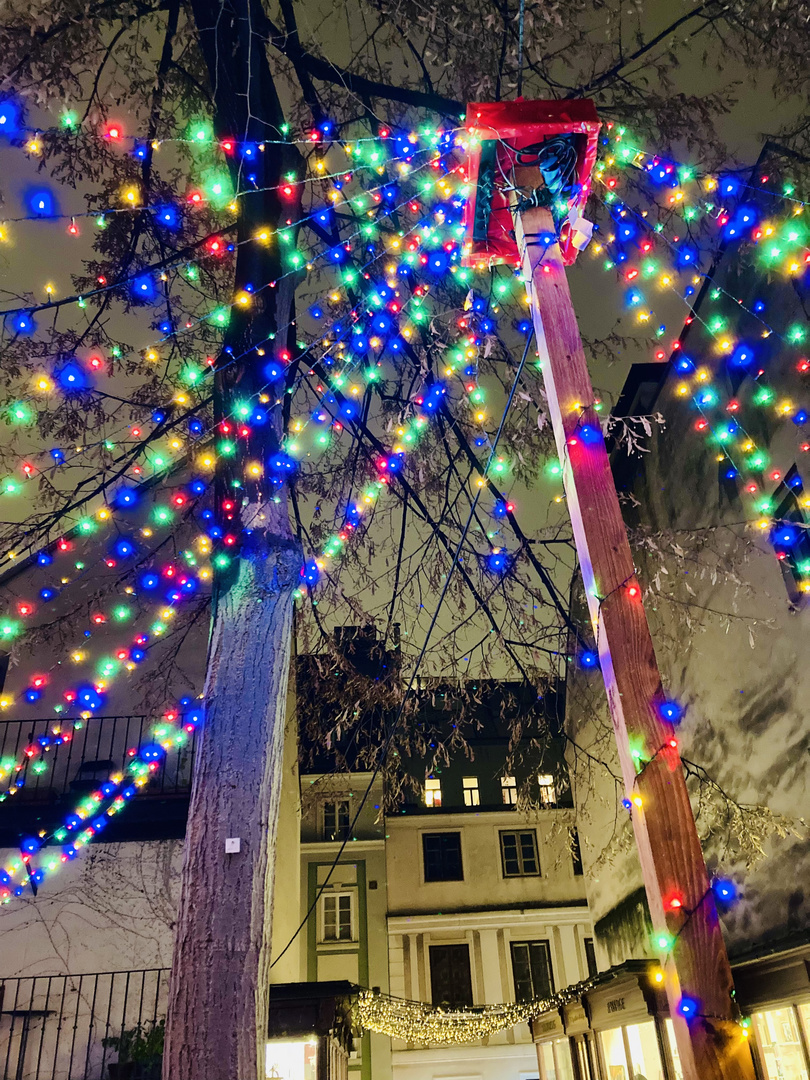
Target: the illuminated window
pixel 548 794
pixel 433 792
pixel 780 1043
pixel 556 1059
pixel 337 917
pixel 292 1060
pixel 471 794
pixel 519 854
pixel 633 1051
pixel 509 790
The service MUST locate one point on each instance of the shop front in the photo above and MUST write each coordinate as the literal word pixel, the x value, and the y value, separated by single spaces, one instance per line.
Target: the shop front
pixel 617 1030
pixel 309 1036
pixel 620 1029
pixel 774 990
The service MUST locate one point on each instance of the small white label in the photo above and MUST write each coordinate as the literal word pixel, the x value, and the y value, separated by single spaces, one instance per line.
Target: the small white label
pixel 233 845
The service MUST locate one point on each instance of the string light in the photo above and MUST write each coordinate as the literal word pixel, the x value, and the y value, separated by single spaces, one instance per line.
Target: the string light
pixel 427 1025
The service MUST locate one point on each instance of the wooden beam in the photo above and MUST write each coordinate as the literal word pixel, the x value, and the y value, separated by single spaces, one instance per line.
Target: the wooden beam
pixel 711 1044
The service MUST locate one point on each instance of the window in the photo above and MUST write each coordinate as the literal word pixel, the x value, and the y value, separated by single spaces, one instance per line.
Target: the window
pixel 590 957
pixel 433 791
pixel 548 795
pixel 673 1050
pixel 336 820
pixel 556 1058
pixel 633 1051
pixel 531 968
pixel 442 855
pixel 576 853
pixel 519 854
pixel 780 1043
pixel 471 794
pixel 337 917
pixel 509 790
pixel 450 977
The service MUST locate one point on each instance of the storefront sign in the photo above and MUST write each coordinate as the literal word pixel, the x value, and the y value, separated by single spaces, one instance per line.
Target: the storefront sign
pixel 621 1003
pixel 575 1018
pixel 547 1026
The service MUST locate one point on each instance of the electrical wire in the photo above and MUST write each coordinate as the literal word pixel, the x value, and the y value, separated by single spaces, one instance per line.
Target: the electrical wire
pixel 434 618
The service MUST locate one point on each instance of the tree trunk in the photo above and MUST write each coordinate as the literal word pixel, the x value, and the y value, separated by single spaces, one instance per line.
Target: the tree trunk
pixel 217 1016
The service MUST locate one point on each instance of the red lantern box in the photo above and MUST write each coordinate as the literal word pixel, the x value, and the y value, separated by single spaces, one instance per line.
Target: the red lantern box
pixel 499 131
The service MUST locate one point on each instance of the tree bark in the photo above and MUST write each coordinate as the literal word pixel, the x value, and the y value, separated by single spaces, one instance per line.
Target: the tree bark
pixel 217 1015
pixel 218 994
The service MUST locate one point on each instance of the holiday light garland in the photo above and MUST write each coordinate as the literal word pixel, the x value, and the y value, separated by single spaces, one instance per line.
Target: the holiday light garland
pixel 737 452
pixel 408 436
pixel 423 1024
pixel 93 812
pixel 435 252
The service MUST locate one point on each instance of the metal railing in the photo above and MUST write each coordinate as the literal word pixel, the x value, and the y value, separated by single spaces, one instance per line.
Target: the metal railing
pixel 100 746
pixel 53 1027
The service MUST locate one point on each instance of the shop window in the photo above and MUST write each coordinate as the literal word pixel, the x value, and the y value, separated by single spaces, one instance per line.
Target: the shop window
pixel 546 1057
pixel 450 976
pixel 336 820
pixel 644 1052
pixel 632 1052
pixel 285 1058
pixel 555 1060
pixel 583 1059
pixel 471 793
pixel 509 790
pixel 673 1050
pixel 531 968
pixel 336 919
pixel 590 957
pixel 442 856
pixel 804 1019
pixel 548 792
pixel 433 791
pixel 780 1044
pixel 613 1051
pixel 519 854
pixel 576 853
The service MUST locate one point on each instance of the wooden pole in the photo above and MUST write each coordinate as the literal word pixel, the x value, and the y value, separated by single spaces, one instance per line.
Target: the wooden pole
pixel 696 969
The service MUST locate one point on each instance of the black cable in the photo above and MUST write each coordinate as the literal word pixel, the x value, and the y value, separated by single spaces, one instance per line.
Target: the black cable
pixel 434 618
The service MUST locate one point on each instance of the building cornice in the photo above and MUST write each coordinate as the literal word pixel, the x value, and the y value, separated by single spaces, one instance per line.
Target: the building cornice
pixel 442 1055
pixel 476 919
pixel 329 848
pixel 506 818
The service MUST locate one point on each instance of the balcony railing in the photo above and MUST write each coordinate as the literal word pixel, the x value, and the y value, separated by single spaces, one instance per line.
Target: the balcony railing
pixel 53 1027
pixel 57 775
